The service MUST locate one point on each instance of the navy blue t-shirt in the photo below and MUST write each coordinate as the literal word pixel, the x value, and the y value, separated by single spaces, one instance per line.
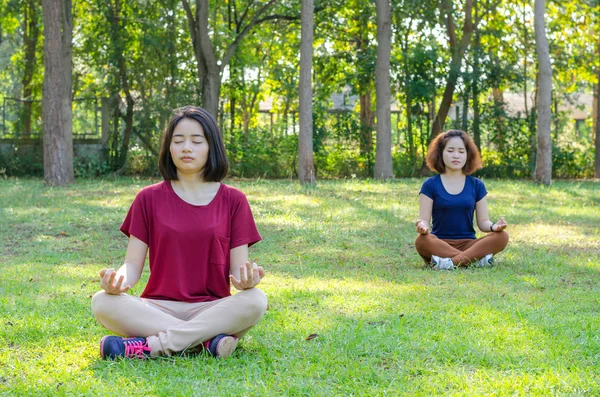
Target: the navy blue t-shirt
pixel 453 213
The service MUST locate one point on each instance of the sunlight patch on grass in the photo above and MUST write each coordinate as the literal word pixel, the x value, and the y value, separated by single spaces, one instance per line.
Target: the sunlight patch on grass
pixel 550 236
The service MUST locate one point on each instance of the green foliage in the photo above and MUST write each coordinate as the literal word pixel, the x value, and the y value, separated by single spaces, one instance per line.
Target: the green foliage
pixel 260 154
pixel 572 159
pixel 159 65
pixel 90 167
pixel 21 159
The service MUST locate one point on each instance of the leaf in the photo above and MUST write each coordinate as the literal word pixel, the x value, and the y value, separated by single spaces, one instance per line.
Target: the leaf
pixel 312 336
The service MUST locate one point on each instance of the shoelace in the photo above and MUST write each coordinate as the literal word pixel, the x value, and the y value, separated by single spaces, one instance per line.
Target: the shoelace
pixel 137 349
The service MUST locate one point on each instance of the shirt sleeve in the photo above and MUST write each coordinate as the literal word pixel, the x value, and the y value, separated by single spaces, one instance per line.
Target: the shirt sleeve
pixel 427 189
pixel 480 191
pixel 136 222
pixel 243 227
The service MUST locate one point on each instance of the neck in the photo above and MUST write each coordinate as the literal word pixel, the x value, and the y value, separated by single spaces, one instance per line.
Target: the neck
pixel 455 174
pixel 190 182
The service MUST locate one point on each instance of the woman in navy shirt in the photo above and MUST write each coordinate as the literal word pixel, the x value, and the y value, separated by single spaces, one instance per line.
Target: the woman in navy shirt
pixel 451 198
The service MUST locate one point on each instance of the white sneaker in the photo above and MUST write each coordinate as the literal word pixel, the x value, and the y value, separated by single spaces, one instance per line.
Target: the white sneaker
pixel 486 261
pixel 442 263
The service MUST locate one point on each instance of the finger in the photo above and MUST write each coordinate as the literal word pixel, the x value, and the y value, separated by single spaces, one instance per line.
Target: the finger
pixel 249 271
pixel 255 276
pixel 119 283
pixel 255 272
pixel 261 271
pixel 105 271
pixel 243 274
pixel 111 278
pixel 236 283
pixel 106 277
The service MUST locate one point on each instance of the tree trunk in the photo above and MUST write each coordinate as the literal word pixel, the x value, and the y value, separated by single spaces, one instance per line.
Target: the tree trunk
pixel 465 109
pixel 543 163
pixel 458 51
pixel 67 82
pixel 31 33
pixel 55 160
pixel 306 168
pixel 475 82
pixel 367 121
pixel 596 115
pixel 383 154
pixel 211 90
pixel 119 47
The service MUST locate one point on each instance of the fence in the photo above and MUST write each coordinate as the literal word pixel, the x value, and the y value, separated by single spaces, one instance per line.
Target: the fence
pixel 22 118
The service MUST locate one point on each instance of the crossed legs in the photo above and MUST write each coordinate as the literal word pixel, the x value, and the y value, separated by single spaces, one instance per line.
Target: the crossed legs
pixel 171 327
pixel 461 251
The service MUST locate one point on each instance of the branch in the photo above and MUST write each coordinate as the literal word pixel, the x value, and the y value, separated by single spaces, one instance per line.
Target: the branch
pixel 191 22
pixel 487 10
pixel 205 43
pixel 233 46
pixel 450 25
pixel 238 22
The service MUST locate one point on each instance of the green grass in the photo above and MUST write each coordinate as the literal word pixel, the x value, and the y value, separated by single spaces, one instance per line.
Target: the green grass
pixel 341 264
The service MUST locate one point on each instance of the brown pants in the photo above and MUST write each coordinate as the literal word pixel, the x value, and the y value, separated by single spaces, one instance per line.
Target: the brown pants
pixel 171 327
pixel 462 251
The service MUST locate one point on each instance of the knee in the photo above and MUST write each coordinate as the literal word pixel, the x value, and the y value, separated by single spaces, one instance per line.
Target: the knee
pixel 502 238
pixel 255 302
pixel 101 304
pixel 422 241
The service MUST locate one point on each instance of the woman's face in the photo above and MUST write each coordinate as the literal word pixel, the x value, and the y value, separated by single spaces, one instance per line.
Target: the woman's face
pixel 455 154
pixel 189 148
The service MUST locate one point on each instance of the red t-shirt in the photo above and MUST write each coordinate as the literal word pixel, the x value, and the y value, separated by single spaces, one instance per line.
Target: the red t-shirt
pixel 189 244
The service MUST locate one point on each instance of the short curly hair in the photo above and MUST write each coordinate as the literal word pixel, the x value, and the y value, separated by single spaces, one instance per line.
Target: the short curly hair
pixel 435 153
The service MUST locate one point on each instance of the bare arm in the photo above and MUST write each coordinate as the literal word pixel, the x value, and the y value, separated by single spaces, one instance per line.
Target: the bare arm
pixel 242 274
pixel 483 218
pixel 425 209
pixel 129 273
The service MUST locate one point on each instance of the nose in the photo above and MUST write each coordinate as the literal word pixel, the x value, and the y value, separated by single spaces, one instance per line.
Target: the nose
pixel 186 146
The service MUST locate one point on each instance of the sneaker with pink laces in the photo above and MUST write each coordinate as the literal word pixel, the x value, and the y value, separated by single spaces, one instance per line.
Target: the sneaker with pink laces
pixel 112 347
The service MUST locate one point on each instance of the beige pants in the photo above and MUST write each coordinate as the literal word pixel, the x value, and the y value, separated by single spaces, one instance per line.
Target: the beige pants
pixel 170 326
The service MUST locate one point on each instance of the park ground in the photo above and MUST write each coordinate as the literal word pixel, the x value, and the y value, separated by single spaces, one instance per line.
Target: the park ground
pixel 341 265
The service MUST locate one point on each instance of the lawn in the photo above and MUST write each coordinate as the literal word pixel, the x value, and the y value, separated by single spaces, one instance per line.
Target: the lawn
pixel 341 264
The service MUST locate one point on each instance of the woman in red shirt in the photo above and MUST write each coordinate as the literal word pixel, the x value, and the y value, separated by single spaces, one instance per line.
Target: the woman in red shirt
pixel 197 231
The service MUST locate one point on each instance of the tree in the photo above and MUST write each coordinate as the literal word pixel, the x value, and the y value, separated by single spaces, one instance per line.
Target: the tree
pixel 596 114
pixel 306 168
pixel 458 49
pixel 209 67
pixel 383 154
pixel 543 162
pixel 57 171
pixel 67 82
pixel 31 32
pixel 115 16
